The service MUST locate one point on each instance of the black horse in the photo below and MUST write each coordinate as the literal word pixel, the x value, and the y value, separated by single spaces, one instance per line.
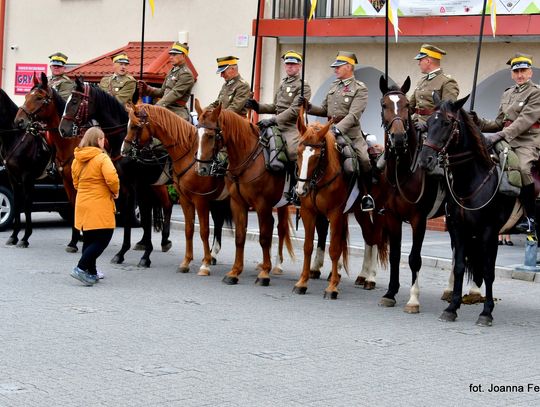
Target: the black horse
pixel 475 210
pixel 25 154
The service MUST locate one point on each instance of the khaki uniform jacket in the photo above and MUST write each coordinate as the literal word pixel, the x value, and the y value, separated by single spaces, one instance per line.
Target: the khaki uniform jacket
pixel 346 101
pixel 286 109
pixel 96 182
pixel 62 84
pixel 175 91
pixel 422 97
pixel 121 87
pixel 233 95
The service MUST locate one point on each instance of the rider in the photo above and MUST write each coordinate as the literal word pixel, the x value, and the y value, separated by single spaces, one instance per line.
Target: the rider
pixel 59 81
pixel 120 85
pixel 518 123
pixel 176 90
pixel 345 102
pixel 434 80
pixel 235 91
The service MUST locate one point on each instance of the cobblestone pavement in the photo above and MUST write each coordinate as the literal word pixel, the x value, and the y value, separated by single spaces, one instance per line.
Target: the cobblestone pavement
pixel 154 337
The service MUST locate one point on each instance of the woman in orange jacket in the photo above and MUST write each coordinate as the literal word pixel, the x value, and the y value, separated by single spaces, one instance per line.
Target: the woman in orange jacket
pixel 97 185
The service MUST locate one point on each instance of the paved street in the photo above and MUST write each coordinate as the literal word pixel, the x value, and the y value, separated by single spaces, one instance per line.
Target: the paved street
pixel 154 337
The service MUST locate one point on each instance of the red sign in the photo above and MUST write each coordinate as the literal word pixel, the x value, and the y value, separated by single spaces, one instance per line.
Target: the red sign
pixel 24 74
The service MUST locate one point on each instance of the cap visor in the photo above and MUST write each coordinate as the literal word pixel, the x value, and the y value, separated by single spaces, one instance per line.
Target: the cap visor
pixel 173 51
pixel 520 66
pixel 56 63
pixel 337 63
pixel 222 68
pixel 420 55
pixel 291 61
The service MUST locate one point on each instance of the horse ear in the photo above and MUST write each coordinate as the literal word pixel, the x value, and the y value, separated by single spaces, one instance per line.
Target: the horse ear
pixel 216 112
pixel 35 79
pixel 383 85
pixel 129 106
pixel 79 82
pixel 44 80
pixel 322 132
pixel 458 104
pixel 300 125
pixel 198 108
pixel 406 85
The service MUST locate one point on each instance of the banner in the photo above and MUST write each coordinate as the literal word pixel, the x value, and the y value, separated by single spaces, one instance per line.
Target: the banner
pixel 418 8
pixel 24 74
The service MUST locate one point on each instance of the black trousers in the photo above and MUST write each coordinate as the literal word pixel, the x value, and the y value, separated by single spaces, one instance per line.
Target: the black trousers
pixel 95 242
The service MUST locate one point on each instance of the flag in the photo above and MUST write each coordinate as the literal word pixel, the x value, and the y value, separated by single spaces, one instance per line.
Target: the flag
pixel 492 4
pixel 393 16
pixel 152 7
pixel 312 11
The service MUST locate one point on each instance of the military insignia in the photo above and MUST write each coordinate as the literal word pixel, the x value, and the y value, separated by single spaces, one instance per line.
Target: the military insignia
pixel 346 99
pixel 290 93
pixel 288 89
pixel 520 103
pixel 116 89
pixel 173 78
pixel 346 88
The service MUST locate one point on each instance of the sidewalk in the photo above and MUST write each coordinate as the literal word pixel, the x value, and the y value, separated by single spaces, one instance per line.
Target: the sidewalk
pixel 436 250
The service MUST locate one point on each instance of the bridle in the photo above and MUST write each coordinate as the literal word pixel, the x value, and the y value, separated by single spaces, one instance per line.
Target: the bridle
pixel 32 116
pixel 390 146
pixel 81 115
pixel 320 167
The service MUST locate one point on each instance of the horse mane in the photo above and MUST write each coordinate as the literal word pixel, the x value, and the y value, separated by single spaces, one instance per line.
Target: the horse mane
pixel 180 130
pixel 238 126
pixel 311 136
pixel 109 103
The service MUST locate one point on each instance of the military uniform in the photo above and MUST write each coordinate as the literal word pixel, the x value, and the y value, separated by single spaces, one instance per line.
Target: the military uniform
pixel 421 100
pixel 62 84
pixel 121 87
pixel 286 109
pixel 233 95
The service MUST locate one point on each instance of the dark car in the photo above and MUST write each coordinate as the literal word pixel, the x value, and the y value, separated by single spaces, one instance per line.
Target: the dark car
pixel 49 196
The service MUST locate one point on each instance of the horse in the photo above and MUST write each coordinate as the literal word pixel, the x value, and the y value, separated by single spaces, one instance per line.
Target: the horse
pixel 88 105
pixel 25 154
pixel 408 193
pixel 248 181
pixel 476 212
pixel 323 190
pixel 179 137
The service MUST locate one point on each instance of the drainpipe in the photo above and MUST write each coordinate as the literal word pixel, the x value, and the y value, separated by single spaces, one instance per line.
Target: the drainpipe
pixel 2 23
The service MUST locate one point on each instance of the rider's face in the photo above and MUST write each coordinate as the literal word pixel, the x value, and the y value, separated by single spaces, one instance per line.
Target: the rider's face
pixel 521 75
pixel 292 69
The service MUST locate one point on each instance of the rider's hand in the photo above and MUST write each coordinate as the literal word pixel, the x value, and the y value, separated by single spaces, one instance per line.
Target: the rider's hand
pixel 420 127
pixel 336 131
pixel 302 101
pixel 143 87
pixel 474 117
pixel 491 139
pixel 267 122
pixel 253 105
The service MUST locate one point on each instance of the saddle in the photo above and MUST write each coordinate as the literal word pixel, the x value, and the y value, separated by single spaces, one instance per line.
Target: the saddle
pixel 508 163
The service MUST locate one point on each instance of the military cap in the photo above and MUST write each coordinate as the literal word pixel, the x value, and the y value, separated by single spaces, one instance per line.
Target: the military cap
pixel 344 57
pixel 58 59
pixel 519 61
pixel 224 62
pixel 292 57
pixel 427 50
pixel 179 48
pixel 121 59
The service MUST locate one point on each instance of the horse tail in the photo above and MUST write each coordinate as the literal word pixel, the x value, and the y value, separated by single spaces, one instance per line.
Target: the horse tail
pixel 382 246
pixel 284 229
pixel 345 244
pixel 157 214
pixel 221 210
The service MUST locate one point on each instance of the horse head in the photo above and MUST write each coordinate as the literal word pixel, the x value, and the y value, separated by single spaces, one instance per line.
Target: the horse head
pixel 76 111
pixel 139 133
pixel 395 116
pixel 313 151
pixel 38 104
pixel 210 138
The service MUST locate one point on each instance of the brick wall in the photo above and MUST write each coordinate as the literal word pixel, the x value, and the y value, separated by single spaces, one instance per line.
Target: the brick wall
pixel 437 224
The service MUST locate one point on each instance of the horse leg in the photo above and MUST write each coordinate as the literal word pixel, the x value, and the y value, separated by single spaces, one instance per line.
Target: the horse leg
pixel 167 207
pixel 266 227
pixel 17 203
pixel 218 218
pixel 388 299
pixel 487 267
pixel 128 209
pixel 239 211
pixel 71 194
pixel 189 218
pixel 338 238
pixel 447 293
pixel 475 293
pixel 450 313
pixel 368 275
pixel 321 225
pixel 28 188
pixel 283 229
pixel 308 219
pixel 203 212
pixel 415 263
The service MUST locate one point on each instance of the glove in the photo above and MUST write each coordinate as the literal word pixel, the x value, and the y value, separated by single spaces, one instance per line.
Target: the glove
pixel 474 117
pixel 253 105
pixel 336 131
pixel 420 127
pixel 303 102
pixel 143 87
pixel 267 122
pixel 491 139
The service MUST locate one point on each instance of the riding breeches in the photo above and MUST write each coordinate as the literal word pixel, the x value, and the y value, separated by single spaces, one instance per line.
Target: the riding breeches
pixel 528 156
pixel 360 147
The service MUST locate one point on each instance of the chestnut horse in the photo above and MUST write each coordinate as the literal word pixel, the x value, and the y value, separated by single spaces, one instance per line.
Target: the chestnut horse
pixel 248 181
pixel 179 137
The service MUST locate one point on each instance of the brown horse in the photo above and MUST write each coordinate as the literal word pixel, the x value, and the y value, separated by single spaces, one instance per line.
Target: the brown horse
pixel 248 181
pixel 197 193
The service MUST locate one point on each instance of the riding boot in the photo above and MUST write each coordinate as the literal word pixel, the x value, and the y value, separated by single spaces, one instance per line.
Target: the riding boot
pixel 528 200
pixel 367 203
pixel 291 194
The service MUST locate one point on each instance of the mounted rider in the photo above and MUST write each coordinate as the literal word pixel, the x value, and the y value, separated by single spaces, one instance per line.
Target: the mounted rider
pixel 235 91
pixel 59 81
pixel 120 85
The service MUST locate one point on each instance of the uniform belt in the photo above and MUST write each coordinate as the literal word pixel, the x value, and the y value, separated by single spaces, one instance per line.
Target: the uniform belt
pixel 181 103
pixel 534 126
pixel 425 112
pixel 337 119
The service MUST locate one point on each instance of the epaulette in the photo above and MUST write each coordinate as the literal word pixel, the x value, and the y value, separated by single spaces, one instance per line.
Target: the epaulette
pixel 360 82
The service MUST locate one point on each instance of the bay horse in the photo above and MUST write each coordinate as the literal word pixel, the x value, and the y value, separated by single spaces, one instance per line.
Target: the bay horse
pixel 475 210
pixel 249 182
pixel 179 137
pixel 89 105
pixel 323 190
pixel 25 154
pixel 408 193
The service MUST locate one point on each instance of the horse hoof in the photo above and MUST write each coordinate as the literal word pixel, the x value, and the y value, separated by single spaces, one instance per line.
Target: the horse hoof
pixel 360 281
pixel 263 282
pixel 213 262
pixel 11 242
pixel 117 260
pixel 22 244
pixel 448 316
pixel 166 247
pixel 203 272
pixel 411 309
pixel 183 269
pixel 369 285
pixel 71 249
pixel 314 274
pixel 484 320
pixel 139 246
pixel 144 263
pixel 299 290
pixel 330 295
pixel 277 271
pixel 446 296
pixel 387 302
pixel 475 298
pixel 230 280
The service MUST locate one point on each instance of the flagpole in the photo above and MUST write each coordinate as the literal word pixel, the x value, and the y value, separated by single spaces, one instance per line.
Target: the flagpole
pixel 304 47
pixel 386 43
pixel 255 45
pixel 475 77
pixel 142 38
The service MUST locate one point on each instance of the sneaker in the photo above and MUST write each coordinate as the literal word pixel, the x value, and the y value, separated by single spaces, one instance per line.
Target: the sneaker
pixel 100 275
pixel 83 276
pixel 367 204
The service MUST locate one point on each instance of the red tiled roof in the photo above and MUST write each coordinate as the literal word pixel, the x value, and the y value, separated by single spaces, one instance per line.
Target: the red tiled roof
pixel 156 63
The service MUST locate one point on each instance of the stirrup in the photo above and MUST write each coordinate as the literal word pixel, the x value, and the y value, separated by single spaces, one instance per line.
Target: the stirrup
pixel 367 204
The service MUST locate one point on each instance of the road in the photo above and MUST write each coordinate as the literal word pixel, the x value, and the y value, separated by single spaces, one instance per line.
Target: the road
pixel 154 337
